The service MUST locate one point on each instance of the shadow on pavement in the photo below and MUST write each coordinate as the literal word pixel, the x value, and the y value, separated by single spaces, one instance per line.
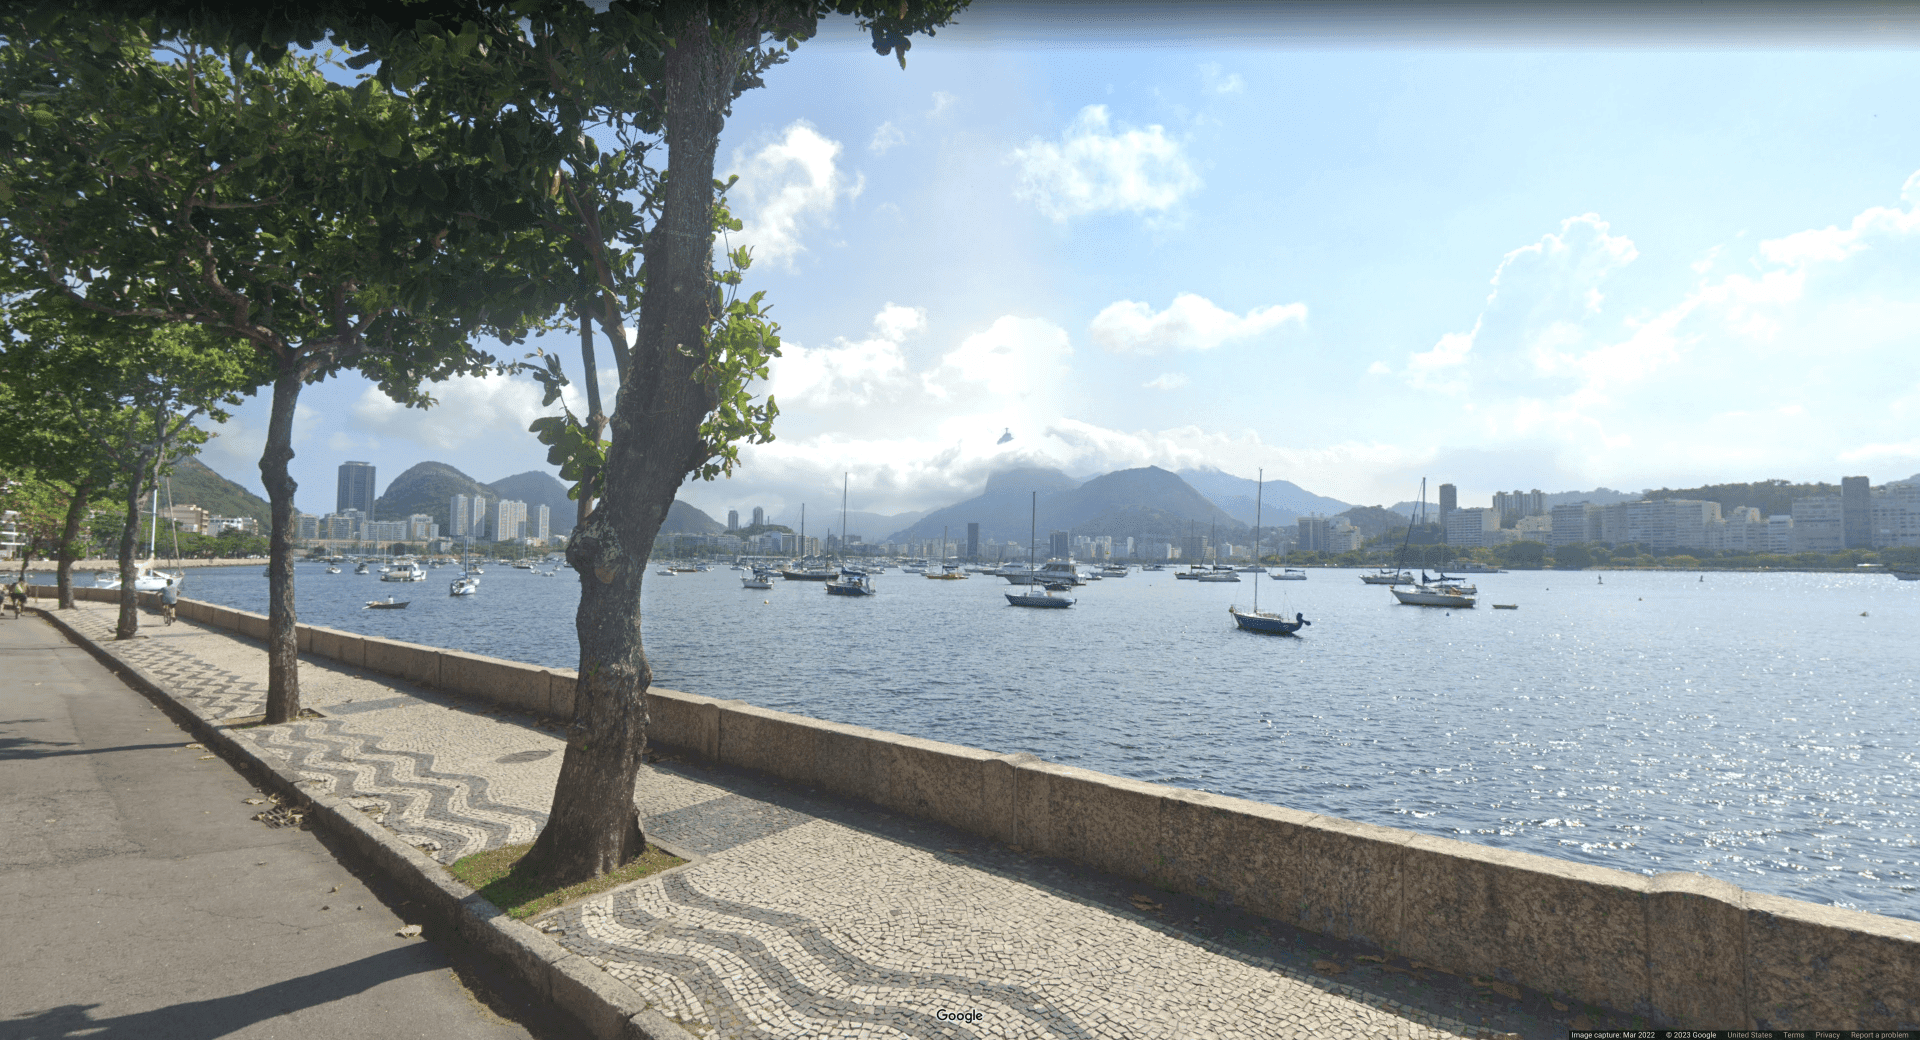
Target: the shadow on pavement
pixel 220 1016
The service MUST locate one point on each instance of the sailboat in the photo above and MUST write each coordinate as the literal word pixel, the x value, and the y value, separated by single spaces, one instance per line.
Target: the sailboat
pixel 1045 598
pixel 851 582
pixel 468 584
pixel 947 571
pixel 1429 594
pixel 1255 620
pixel 149 578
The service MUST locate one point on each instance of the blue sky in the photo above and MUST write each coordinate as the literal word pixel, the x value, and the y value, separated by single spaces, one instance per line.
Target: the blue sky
pixel 1352 263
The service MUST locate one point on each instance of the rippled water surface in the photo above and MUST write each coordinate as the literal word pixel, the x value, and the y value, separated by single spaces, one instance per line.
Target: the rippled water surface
pixel 1756 727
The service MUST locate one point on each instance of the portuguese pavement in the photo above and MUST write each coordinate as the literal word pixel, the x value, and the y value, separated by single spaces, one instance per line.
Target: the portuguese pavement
pixel 799 916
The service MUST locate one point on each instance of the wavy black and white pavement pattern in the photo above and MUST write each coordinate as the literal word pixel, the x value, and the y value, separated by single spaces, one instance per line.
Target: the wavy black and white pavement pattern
pixel 791 924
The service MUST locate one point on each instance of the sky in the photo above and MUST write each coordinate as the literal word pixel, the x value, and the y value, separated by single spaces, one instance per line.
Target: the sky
pixel 1349 252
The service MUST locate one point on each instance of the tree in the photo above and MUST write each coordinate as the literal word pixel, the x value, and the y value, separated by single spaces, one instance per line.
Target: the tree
pixel 124 392
pixel 683 405
pixel 319 225
pixel 1572 557
pixel 1523 553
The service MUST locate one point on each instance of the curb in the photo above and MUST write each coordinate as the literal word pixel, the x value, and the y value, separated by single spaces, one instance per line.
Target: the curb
pixel 609 1008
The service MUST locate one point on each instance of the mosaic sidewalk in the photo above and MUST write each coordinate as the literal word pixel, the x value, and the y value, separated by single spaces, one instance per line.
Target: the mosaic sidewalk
pixel 801 917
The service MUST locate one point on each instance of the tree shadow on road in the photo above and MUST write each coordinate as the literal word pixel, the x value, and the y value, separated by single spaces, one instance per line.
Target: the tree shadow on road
pixel 222 1016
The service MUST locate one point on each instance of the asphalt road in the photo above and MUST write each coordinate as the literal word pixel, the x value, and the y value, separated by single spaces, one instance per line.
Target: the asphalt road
pixel 142 901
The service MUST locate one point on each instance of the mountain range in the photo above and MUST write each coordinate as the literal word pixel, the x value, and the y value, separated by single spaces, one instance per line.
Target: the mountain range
pixel 1149 503
pixel 1279 502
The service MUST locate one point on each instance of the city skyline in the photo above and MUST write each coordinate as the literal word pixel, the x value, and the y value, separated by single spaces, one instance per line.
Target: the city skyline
pixel 1349 264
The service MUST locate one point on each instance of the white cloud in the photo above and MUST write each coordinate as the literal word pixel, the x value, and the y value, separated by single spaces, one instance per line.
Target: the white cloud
pixel 467 410
pixel 1019 357
pixel 885 136
pixel 1094 170
pixel 854 372
pixel 941 100
pixel 789 186
pixel 1218 83
pixel 1166 381
pixel 1191 322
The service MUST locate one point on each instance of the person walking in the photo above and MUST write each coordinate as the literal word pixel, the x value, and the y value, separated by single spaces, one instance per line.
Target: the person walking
pixel 17 595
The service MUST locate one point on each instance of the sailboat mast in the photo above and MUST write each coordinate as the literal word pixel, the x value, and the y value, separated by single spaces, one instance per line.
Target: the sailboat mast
pixel 1401 563
pixel 1033 532
pixel 844 477
pixel 1259 481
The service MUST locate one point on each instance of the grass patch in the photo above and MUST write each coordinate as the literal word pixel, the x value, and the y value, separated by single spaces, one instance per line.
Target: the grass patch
pixel 495 874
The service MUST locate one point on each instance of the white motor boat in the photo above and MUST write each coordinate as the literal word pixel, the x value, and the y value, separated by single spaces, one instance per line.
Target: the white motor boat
pixel 1289 574
pixel 1053 572
pixel 405 570
pixel 463 587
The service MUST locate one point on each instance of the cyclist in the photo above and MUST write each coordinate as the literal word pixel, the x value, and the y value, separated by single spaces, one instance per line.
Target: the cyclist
pixel 169 596
pixel 17 595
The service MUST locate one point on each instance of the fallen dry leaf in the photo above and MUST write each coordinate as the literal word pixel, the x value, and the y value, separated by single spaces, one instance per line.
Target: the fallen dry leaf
pixel 254 801
pixel 201 747
pixel 1141 902
pixel 408 932
pixel 203 758
pixel 1557 1006
pixel 1328 967
pixel 1374 957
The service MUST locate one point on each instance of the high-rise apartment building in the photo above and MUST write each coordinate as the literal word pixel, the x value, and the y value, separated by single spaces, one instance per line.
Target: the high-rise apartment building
pixel 733 519
pixel 1575 522
pixel 759 516
pixel 538 522
pixel 509 520
pixel 458 519
pixel 1819 523
pixel 477 521
pixel 1449 501
pixel 1059 545
pixel 1896 515
pixel 1856 505
pixel 973 541
pixel 356 488
pixel 1471 528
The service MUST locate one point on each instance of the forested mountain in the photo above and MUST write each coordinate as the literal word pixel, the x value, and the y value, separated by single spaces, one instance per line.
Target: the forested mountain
pixel 1280 501
pixel 536 488
pixel 1146 503
pixel 685 519
pixel 429 487
pixel 193 484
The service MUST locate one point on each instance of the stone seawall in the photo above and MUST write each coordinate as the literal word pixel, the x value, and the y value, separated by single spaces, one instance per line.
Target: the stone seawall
pixel 1680 948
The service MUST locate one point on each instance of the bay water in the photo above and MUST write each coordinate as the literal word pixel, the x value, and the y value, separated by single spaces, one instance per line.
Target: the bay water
pixel 1756 727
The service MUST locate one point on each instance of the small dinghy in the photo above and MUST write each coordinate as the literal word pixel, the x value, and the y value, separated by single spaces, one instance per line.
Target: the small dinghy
pixel 390 604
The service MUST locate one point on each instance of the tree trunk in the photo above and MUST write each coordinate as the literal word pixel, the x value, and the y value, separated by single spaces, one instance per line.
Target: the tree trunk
pixel 593 826
pixel 283 643
pixel 76 512
pixel 129 623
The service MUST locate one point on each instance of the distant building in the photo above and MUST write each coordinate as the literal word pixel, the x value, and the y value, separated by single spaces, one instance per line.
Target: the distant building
pixel 1449 501
pixel 1780 534
pixel 306 526
pixel 973 541
pixel 477 522
pixel 733 519
pixel 1671 523
pixel 540 520
pixel 1470 528
pixel 1575 522
pixel 1059 545
pixel 1819 523
pixel 759 516
pixel 459 518
pixel 509 520
pixel 356 488
pixel 187 518
pixel 1856 507
pixel 1895 516
pixel 1516 504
